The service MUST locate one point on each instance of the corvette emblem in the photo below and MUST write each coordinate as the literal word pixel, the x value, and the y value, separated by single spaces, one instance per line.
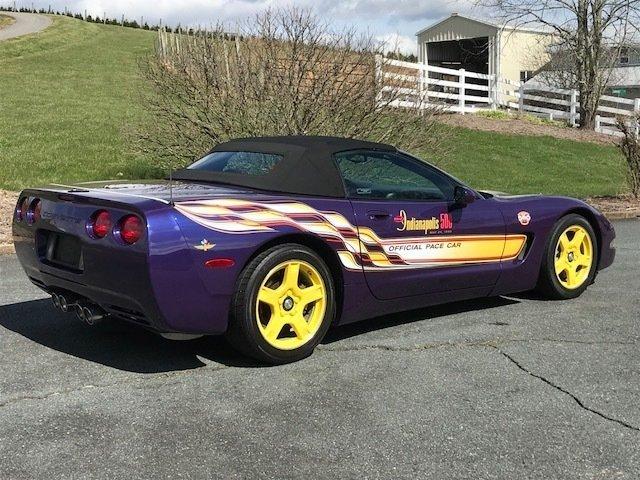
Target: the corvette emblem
pixel 205 245
pixel 524 218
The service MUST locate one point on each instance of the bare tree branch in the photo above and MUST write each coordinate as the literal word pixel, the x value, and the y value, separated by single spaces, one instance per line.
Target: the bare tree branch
pixel 589 35
pixel 286 72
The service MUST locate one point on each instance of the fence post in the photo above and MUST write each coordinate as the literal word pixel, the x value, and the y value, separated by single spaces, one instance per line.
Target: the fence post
pixel 573 107
pixel 493 91
pixel 636 112
pixel 597 123
pixel 461 90
pixel 420 88
pixel 521 97
pixel 425 74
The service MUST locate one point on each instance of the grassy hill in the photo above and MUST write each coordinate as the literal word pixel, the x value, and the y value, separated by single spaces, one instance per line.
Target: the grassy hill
pixel 69 92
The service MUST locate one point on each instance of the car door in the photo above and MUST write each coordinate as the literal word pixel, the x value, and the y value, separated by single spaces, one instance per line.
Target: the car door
pixel 414 238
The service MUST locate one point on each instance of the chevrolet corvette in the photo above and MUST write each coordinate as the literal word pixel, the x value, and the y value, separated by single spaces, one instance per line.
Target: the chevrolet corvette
pixel 271 241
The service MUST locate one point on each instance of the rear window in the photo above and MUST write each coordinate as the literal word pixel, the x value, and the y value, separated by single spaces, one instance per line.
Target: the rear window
pixel 244 163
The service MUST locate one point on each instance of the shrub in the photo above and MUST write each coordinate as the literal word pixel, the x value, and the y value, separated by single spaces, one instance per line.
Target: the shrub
pixel 497 114
pixel 630 147
pixel 284 73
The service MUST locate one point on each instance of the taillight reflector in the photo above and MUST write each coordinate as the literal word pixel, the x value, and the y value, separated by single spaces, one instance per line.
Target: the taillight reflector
pixel 100 224
pixel 131 229
pixel 21 209
pixel 29 209
pixel 36 208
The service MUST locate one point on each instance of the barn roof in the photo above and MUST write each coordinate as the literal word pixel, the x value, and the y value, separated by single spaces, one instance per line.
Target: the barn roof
pixel 488 23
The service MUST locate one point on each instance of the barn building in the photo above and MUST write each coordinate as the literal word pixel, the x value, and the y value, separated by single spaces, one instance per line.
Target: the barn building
pixel 480 46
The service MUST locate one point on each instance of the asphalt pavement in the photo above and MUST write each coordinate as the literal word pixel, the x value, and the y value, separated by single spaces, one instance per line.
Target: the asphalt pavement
pixel 502 388
pixel 25 24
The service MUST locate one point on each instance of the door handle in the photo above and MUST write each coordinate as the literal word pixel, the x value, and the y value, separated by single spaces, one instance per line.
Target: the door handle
pixel 378 215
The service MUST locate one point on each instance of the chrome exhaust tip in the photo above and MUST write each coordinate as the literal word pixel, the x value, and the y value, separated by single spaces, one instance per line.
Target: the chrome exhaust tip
pixel 91 315
pixel 64 304
pixel 85 311
pixel 80 313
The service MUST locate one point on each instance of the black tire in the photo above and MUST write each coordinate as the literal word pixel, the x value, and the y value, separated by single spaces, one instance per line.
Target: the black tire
pixel 243 332
pixel 548 283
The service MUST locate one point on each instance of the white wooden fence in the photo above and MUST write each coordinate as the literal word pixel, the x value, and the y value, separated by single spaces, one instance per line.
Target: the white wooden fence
pixel 418 85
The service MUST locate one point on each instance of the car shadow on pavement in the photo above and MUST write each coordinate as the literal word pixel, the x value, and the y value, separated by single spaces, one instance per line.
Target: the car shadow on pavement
pixel 114 343
pixel 395 319
pixel 130 348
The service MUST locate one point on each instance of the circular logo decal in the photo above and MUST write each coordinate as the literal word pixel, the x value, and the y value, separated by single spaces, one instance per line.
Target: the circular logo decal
pixel 524 218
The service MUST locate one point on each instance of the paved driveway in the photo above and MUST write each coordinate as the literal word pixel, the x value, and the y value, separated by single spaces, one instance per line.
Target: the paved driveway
pixel 25 24
pixel 498 388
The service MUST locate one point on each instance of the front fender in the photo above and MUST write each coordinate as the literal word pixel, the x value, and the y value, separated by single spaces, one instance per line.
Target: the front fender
pixel 544 212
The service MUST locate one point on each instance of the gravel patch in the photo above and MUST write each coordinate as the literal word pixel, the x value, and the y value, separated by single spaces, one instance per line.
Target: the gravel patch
pixel 517 126
pixel 620 207
pixel 7 203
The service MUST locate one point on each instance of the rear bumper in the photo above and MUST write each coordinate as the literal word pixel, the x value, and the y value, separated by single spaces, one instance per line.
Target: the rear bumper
pixel 149 292
pixel 153 282
pixel 118 284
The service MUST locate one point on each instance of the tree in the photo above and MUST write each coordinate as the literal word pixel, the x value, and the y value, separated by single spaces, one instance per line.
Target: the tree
pixel 630 147
pixel 285 72
pixel 588 37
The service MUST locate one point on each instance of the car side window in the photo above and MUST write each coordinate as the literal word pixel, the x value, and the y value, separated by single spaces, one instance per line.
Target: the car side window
pixel 370 174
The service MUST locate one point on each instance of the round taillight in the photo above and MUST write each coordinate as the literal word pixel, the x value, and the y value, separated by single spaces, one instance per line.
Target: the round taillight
pixel 100 224
pixel 131 229
pixel 36 209
pixel 21 209
pixel 30 211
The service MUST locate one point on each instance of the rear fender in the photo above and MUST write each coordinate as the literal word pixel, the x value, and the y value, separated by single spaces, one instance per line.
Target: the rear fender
pixel 251 225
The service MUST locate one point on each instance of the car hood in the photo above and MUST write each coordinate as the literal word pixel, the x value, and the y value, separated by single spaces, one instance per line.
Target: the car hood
pixel 495 193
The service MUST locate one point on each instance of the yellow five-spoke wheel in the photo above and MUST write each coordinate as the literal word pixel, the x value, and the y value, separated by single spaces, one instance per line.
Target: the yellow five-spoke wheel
pixel 569 265
pixel 283 306
pixel 574 257
pixel 291 304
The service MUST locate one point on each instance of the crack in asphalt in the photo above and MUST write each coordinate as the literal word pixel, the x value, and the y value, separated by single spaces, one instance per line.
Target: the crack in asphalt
pixel 485 343
pixel 124 381
pixel 494 344
pixel 412 348
pixel 561 340
pixel 566 392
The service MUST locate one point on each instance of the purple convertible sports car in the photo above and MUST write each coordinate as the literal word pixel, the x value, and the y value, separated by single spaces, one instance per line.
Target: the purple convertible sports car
pixel 273 240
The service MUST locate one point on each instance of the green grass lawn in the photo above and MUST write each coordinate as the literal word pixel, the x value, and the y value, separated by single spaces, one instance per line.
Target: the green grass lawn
pixel 67 95
pixel 527 164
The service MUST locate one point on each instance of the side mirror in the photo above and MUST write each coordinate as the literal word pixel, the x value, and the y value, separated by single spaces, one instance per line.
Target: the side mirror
pixel 463 196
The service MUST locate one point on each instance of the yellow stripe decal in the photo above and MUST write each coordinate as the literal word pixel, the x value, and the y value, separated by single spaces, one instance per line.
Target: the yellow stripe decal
pixel 361 247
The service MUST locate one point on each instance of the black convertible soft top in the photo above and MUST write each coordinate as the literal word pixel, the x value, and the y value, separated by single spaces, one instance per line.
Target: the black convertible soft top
pixel 307 166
